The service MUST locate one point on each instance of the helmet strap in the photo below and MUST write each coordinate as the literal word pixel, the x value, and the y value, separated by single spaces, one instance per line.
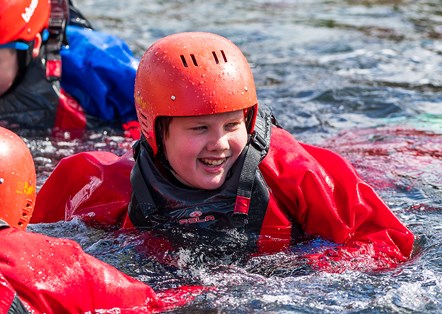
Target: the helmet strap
pixel 161 157
pixel 24 58
pixel 248 115
pixel 57 38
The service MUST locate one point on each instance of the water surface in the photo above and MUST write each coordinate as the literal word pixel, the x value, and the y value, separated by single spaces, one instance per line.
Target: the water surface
pixel 363 78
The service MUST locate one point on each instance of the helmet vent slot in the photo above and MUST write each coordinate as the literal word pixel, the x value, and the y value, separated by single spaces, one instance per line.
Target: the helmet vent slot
pixel 143 118
pixel 215 56
pixel 184 61
pixel 194 60
pixel 224 55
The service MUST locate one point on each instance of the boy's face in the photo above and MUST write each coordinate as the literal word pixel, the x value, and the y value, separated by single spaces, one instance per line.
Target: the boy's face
pixel 8 68
pixel 202 149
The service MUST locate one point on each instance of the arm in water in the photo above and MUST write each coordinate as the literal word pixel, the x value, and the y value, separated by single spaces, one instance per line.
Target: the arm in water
pixel 322 192
pixel 59 277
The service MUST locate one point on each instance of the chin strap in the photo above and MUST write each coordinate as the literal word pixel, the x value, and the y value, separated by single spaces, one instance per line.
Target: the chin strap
pixel 257 149
pixel 143 198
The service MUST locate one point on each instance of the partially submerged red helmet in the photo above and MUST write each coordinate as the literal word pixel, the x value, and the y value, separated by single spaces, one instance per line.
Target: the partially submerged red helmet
pixel 192 74
pixel 17 180
pixel 22 20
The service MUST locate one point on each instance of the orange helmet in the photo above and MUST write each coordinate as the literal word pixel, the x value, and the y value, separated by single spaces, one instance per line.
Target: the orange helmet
pixel 22 19
pixel 191 74
pixel 17 180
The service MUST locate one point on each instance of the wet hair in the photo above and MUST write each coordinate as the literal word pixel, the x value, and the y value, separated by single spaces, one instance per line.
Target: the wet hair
pixel 162 130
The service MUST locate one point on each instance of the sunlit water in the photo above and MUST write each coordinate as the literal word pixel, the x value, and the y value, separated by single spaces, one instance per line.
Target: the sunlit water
pixel 361 77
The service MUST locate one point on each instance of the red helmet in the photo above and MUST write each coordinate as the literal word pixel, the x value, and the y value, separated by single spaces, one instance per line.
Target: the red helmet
pixel 191 74
pixel 17 180
pixel 22 19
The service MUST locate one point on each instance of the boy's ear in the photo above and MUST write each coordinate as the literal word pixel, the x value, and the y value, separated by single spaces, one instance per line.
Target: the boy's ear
pixel 37 45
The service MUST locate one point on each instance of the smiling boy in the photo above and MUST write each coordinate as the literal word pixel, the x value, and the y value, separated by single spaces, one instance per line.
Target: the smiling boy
pixel 211 159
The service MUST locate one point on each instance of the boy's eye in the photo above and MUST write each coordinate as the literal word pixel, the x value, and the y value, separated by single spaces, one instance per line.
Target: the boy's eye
pixel 232 125
pixel 198 128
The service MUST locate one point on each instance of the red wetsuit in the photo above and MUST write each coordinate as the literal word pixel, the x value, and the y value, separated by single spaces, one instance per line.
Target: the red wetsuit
pixel 50 275
pixel 309 189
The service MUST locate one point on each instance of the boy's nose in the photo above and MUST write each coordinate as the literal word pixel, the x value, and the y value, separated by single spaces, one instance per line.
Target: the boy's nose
pixel 218 142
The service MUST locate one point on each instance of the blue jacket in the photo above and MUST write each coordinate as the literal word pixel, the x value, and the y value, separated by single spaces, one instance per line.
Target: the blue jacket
pixel 94 64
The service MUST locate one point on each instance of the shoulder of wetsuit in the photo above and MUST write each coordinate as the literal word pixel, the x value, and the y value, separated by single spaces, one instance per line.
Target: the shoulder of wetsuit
pixel 10 302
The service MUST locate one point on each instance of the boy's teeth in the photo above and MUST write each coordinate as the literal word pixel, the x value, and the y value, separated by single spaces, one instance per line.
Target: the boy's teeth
pixel 213 162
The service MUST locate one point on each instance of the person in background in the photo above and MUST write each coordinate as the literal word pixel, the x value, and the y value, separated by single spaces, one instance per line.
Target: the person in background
pixel 210 159
pixel 42 274
pixel 56 72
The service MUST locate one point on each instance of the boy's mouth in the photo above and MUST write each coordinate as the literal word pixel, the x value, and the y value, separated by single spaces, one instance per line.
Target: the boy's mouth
pixel 213 162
